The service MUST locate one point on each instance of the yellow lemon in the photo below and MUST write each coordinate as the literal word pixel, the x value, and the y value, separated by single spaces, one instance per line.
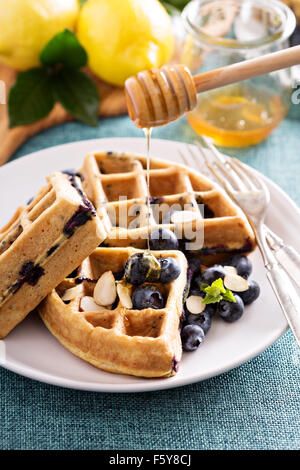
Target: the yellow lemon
pixel 124 37
pixel 27 25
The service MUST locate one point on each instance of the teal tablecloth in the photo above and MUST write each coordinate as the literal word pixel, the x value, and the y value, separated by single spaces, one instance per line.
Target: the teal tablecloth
pixel 255 406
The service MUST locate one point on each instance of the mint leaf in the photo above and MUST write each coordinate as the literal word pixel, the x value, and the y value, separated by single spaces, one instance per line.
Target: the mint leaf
pixel 210 299
pixel 203 286
pixel 64 48
pixel 30 98
pixel 229 296
pixel 216 288
pixel 77 94
pixel 216 292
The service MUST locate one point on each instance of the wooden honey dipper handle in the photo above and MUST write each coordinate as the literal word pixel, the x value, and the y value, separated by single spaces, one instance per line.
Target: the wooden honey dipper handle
pixel 248 69
pixel 158 96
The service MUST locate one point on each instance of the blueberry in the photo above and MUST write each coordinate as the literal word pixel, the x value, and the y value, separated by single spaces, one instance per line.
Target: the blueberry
pixel 202 319
pixel 136 269
pixel 211 275
pixel 119 275
pixel 241 263
pixel 211 309
pixel 208 212
pixel 230 311
pixel 170 270
pixel 142 267
pixel 248 296
pixel 194 263
pixel 79 218
pixel 30 273
pixel 74 273
pixel 196 291
pixel 191 336
pixel 147 297
pixel 29 201
pixel 163 239
pixel 71 172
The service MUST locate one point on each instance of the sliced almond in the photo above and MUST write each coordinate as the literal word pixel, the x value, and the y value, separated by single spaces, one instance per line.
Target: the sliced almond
pixel 124 293
pixel 235 283
pixel 72 293
pixel 105 292
pixel 181 217
pixel 194 304
pixel 230 270
pixel 88 304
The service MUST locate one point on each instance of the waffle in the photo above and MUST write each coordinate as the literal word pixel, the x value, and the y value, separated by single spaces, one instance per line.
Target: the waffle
pixel 109 175
pixel 42 244
pixel 143 343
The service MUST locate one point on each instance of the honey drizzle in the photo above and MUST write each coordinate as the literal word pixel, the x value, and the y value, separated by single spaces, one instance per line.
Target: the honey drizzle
pixel 148 131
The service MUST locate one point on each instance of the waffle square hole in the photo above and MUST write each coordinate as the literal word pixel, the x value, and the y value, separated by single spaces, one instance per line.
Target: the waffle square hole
pixel 199 184
pixel 214 206
pixel 39 206
pixel 161 207
pixel 10 233
pixel 140 323
pixel 125 214
pixel 127 188
pixel 105 319
pixel 166 183
pixel 108 261
pixel 110 163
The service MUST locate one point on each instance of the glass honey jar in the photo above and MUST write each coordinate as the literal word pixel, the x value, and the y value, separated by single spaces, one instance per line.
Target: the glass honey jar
pixel 223 32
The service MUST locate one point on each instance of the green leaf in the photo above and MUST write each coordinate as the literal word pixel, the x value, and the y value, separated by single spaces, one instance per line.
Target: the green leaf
pixel 216 288
pixel 203 286
pixel 210 299
pixel 229 296
pixel 30 98
pixel 77 94
pixel 64 48
pixel 180 4
pixel 216 292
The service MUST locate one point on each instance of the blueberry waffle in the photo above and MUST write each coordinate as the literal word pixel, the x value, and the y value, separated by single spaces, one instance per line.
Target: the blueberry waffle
pixel 118 334
pixel 42 244
pixel 116 183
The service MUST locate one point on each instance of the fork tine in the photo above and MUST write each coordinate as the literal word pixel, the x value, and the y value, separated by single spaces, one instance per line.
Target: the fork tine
pixel 242 174
pixel 213 149
pixel 235 182
pixel 255 179
pixel 239 181
pixel 236 166
pixel 183 158
pixel 223 181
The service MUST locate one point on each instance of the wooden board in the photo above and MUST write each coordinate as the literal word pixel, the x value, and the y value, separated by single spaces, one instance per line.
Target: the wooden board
pixel 112 103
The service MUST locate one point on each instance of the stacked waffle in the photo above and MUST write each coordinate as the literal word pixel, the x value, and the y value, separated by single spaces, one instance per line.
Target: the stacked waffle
pixel 91 223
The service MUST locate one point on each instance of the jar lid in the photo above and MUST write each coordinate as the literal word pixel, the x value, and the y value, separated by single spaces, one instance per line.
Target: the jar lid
pixel 239 24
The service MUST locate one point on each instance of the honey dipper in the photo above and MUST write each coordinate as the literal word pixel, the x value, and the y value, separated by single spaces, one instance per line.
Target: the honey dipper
pixel 161 95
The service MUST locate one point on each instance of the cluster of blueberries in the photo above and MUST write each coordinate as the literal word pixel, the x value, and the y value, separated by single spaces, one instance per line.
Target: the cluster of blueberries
pixel 195 326
pixel 140 269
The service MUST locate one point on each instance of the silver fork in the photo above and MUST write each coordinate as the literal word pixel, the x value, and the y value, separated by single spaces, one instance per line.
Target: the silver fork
pixel 252 195
pixel 285 254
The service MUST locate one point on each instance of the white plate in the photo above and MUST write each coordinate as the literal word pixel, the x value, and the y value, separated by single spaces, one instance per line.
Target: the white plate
pixel 32 351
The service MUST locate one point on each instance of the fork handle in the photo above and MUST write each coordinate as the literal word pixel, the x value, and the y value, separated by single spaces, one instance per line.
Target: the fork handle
pixel 290 261
pixel 287 297
pixel 287 256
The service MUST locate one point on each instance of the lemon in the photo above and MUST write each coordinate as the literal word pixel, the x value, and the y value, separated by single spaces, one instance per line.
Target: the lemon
pixel 27 25
pixel 124 37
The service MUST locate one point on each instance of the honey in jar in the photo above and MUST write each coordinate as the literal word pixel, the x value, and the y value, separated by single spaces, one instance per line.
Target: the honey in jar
pixel 237 115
